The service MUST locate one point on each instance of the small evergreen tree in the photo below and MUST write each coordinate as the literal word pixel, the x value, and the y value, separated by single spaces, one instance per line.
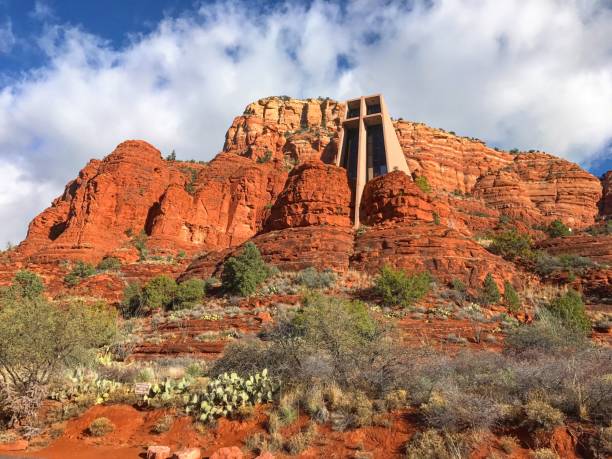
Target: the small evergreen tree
pixel 558 229
pixel 189 292
pixel 511 297
pixel 243 274
pixel 395 287
pixel 80 271
pixel 490 292
pixel 570 309
pixel 171 156
pixel 160 292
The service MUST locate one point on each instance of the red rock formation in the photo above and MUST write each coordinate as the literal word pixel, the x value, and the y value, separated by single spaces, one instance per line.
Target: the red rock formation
pixel 596 248
pixel 540 188
pixel 449 162
pixel 300 130
pixel 315 194
pixel 606 199
pixel 180 206
pixel 303 218
pixel 395 198
pixel 444 252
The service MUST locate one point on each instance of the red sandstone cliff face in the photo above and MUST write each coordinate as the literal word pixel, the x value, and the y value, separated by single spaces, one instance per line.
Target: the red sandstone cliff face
pixel 449 162
pixel 292 129
pixel 606 199
pixel 179 205
pixel 271 184
pixel 314 194
pixel 539 188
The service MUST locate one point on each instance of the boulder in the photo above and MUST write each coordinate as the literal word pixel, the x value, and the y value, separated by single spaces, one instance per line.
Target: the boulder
pixel 228 453
pixel 158 452
pixel 188 453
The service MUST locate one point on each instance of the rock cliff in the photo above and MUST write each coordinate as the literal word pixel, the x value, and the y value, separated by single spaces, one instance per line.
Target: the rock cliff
pixel 275 183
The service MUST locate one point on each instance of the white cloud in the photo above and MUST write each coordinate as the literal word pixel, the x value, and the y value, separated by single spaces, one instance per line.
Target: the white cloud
pixel 519 74
pixel 7 38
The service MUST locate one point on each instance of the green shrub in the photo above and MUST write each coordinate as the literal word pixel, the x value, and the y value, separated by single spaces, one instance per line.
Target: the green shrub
pixel 490 292
pixel 423 184
pixel 511 244
pixel 327 339
pixel 570 309
pixel 100 427
pixel 244 273
pixel 395 287
pixel 160 292
pixel 38 340
pixel 557 229
pixel 189 292
pixel 133 304
pixel 547 334
pixel 26 284
pixel 80 271
pixel 109 264
pixel 459 285
pixel 436 218
pixel 313 279
pixel 546 264
pixel 266 158
pixel 511 297
pixel 140 243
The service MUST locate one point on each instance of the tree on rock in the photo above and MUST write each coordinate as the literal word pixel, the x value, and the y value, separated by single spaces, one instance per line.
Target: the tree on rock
pixel 244 273
pixel 490 291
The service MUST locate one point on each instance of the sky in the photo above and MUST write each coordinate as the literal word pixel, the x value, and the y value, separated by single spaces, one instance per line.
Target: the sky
pixel 79 77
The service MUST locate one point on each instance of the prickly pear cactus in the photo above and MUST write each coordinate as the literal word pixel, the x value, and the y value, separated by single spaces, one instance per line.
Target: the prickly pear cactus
pixel 228 392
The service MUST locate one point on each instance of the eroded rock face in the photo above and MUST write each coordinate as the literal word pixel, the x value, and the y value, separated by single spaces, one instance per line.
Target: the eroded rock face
pixel 315 194
pixel 596 248
pixel 109 199
pixel 394 198
pixel 540 188
pixel 444 252
pixel 299 130
pixel 449 162
pixel 179 205
pixel 606 199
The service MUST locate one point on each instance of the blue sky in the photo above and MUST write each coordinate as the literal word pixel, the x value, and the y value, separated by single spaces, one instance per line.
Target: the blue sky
pixel 79 77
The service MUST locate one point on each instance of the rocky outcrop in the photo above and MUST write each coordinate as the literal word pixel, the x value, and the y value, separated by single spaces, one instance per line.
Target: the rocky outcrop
pixel 178 205
pixel 290 129
pixel 315 194
pixel 444 252
pixel 540 188
pixel 449 162
pixel 596 248
pixel 394 197
pixel 606 199
pixel 274 184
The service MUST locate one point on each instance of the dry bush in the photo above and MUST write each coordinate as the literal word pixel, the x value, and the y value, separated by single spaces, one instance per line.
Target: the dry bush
pixel 163 424
pixel 100 427
pixel 544 453
pixel 431 444
pixel 299 442
pixel 455 411
pixel 539 414
pixel 508 444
